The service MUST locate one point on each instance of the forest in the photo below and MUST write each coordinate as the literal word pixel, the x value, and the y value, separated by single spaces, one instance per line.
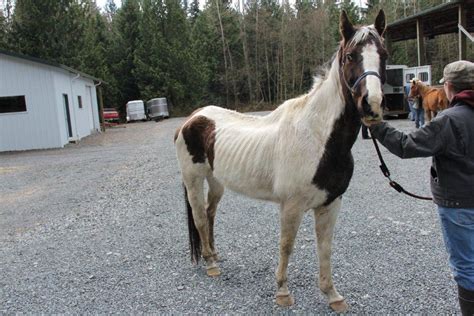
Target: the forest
pixel 249 55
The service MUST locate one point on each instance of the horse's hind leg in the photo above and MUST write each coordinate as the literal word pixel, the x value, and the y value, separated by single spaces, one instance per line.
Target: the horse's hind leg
pixel 216 190
pixel 290 219
pixel 325 219
pixel 195 191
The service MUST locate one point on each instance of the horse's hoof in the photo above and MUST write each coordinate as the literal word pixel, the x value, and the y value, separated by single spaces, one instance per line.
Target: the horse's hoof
pixel 339 307
pixel 285 300
pixel 213 272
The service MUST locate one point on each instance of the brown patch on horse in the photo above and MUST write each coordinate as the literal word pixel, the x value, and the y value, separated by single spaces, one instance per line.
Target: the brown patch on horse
pixel 176 134
pixel 199 134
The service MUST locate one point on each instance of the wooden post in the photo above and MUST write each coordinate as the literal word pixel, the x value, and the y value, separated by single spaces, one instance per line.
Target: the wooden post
pixel 388 46
pixel 420 41
pixel 461 35
pixel 101 109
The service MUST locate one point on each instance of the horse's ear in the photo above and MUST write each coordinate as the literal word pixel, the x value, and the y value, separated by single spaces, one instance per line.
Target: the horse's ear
pixel 380 23
pixel 345 26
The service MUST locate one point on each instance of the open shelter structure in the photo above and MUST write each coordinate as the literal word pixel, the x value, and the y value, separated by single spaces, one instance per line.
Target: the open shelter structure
pixel 456 16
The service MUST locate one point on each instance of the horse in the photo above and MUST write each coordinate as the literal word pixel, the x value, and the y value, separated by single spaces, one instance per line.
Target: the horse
pixel 434 99
pixel 298 156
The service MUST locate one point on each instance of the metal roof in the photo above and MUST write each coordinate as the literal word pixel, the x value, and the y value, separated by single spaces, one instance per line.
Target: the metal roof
pixel 441 19
pixel 50 63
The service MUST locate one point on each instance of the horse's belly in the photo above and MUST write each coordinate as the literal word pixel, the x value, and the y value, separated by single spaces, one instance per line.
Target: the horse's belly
pixel 251 184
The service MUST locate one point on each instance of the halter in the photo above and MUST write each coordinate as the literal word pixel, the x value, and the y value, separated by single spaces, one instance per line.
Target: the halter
pixel 359 79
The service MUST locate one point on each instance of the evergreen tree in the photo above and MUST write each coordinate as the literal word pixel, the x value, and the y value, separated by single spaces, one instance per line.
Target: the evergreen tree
pixel 352 10
pixel 95 50
pixel 150 71
pixel 3 31
pixel 185 78
pixel 110 10
pixel 123 50
pixel 205 46
pixel 194 11
pixel 48 29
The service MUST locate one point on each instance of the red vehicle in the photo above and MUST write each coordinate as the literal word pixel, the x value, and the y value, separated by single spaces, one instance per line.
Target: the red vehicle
pixel 111 115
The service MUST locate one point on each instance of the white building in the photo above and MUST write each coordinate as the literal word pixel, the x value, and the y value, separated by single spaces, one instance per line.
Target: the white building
pixel 44 104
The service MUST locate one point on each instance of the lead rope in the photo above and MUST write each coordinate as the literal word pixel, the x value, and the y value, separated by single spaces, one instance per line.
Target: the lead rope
pixel 392 183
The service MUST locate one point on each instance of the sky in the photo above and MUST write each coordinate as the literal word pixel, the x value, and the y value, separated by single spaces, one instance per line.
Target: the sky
pixel 101 3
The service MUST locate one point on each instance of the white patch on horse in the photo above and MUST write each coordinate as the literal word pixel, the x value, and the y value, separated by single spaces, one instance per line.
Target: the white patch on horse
pixel 371 62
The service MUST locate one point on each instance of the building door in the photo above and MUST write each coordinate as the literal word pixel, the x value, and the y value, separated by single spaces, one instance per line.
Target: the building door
pixel 68 115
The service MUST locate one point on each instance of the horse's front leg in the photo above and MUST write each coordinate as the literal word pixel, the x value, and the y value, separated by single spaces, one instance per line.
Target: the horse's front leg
pixel 216 190
pixel 325 219
pixel 427 115
pixel 290 219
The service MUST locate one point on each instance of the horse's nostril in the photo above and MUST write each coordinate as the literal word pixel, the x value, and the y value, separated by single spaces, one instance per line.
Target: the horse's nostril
pixel 365 104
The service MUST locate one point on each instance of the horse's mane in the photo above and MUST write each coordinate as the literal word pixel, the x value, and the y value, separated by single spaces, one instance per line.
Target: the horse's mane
pixel 362 34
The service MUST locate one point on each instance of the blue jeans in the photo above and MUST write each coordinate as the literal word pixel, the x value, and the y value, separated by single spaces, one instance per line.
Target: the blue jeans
pixel 457 225
pixel 419 117
pixel 412 111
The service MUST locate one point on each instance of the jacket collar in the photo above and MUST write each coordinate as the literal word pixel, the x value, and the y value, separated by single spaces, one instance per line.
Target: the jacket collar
pixel 465 97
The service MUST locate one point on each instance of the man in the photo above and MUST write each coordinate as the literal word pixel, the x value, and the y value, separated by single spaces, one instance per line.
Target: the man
pixel 416 107
pixel 412 114
pixel 449 138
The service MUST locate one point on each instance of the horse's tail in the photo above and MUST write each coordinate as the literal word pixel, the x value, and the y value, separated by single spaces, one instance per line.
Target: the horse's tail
pixel 194 239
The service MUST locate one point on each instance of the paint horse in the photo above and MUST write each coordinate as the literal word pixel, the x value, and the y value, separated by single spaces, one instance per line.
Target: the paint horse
pixel 434 98
pixel 298 156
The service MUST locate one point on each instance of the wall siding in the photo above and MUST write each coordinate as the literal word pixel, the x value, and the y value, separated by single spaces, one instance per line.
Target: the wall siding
pixel 44 124
pixel 37 127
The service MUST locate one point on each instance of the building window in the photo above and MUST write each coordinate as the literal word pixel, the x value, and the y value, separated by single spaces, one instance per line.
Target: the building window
pixel 79 101
pixel 12 104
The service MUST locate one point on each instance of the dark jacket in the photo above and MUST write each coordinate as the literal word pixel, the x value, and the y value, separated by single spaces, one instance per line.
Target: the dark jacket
pixel 449 138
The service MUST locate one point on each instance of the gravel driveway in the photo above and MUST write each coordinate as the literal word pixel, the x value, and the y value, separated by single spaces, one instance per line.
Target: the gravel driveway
pixel 100 227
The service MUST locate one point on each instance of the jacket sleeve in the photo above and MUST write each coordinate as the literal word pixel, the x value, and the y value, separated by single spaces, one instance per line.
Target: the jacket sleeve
pixel 424 142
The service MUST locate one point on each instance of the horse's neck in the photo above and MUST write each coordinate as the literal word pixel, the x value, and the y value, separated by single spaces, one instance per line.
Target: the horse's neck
pixel 322 110
pixel 330 104
pixel 423 90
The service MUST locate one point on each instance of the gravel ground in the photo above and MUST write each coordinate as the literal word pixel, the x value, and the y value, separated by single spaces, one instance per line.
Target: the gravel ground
pixel 100 227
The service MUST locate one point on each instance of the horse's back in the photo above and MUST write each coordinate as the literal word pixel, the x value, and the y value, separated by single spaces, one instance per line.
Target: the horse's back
pixel 442 99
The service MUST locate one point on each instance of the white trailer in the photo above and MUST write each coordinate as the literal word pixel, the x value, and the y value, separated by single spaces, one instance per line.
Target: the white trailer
pixel 423 73
pixel 157 109
pixel 135 111
pixel 397 86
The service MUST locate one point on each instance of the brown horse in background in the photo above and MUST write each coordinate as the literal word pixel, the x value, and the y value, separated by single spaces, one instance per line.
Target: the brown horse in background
pixel 434 98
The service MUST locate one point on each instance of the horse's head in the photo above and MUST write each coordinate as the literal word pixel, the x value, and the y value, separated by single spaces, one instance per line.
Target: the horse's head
pixel 362 58
pixel 414 88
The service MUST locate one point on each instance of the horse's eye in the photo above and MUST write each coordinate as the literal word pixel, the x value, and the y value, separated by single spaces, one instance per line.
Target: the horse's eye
pixel 349 57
